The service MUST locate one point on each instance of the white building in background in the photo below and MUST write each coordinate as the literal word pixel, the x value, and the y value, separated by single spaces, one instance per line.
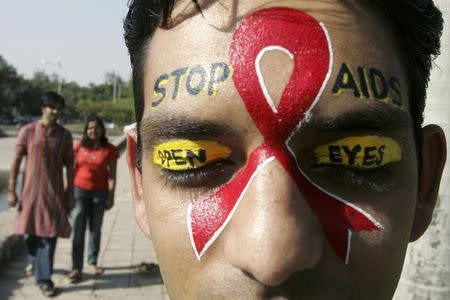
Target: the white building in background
pixel 426 273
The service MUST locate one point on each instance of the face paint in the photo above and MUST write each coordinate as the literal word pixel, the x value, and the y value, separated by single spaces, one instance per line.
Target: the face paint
pixel 178 155
pixel 258 33
pixel 359 152
pixel 368 84
pixel 194 79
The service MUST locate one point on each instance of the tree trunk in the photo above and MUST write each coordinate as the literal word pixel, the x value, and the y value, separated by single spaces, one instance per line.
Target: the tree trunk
pixel 426 272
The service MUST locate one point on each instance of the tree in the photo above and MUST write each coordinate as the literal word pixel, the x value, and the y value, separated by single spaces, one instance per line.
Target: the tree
pixel 20 96
pixel 121 112
pixel 10 83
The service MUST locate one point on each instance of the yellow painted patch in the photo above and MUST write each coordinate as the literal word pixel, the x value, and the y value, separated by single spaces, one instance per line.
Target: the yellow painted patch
pixel 359 152
pixel 179 155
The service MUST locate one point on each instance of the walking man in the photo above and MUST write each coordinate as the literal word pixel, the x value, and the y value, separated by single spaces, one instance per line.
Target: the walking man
pixel 44 201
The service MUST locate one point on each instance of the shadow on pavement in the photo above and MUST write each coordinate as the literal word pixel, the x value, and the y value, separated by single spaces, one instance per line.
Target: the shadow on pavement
pixel 13 280
pixel 12 276
pixel 113 280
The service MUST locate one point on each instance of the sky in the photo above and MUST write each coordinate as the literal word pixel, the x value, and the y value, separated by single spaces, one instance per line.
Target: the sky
pixel 84 36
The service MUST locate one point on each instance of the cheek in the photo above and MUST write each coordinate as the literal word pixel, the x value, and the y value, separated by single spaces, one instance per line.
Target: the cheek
pixel 166 214
pixel 400 204
pixel 165 217
pixel 395 210
pixel 381 253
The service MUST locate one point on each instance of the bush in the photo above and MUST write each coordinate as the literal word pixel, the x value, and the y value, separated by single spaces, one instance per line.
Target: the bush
pixel 121 112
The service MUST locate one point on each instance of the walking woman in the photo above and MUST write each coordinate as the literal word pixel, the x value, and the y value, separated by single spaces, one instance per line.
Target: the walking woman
pixel 95 179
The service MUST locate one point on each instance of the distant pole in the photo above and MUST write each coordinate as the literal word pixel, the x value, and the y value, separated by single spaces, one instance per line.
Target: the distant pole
pixel 59 84
pixel 57 64
pixel 114 86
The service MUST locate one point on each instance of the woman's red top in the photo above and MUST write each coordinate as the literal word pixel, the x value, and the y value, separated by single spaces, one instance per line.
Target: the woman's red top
pixel 91 166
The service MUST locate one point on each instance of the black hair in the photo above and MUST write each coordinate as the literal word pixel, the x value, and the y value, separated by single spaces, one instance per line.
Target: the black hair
pixel 85 140
pixel 417 25
pixel 49 99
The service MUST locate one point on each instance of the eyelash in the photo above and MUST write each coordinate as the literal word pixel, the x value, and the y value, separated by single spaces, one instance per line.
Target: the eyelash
pixel 211 176
pixel 378 180
pixel 206 177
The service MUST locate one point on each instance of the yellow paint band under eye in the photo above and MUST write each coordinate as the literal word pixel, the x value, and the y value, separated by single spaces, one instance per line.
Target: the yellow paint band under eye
pixel 179 155
pixel 363 152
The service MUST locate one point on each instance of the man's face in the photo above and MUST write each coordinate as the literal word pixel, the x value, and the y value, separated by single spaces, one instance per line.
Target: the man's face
pixel 326 193
pixel 51 113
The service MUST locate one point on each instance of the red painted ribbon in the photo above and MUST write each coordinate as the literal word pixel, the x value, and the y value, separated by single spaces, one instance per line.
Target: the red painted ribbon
pixel 305 39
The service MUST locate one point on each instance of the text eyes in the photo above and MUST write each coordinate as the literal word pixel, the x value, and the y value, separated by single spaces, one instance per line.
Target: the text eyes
pixel 182 155
pixel 360 161
pixel 359 152
pixel 363 162
pixel 193 163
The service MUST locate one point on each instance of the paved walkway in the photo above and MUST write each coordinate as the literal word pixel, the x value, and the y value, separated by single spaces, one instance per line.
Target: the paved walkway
pixel 123 249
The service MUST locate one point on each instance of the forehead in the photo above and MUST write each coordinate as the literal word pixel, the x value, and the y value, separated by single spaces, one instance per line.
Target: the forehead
pixel 359 38
pixel 55 104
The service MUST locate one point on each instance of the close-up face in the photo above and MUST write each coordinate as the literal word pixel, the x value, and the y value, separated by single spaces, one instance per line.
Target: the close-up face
pixel 93 130
pixel 278 157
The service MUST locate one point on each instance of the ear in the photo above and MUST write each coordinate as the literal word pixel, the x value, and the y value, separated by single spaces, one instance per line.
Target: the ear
pixel 434 154
pixel 136 183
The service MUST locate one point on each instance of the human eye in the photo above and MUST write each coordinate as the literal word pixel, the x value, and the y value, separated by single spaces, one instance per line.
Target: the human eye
pixel 366 162
pixel 193 163
pixel 378 180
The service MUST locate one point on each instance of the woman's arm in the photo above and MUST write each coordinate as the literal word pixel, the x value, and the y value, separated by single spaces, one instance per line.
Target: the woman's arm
pixel 112 166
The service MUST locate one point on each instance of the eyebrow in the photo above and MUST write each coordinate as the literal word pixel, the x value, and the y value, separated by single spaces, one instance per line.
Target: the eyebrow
pixel 377 117
pixel 168 126
pixel 372 118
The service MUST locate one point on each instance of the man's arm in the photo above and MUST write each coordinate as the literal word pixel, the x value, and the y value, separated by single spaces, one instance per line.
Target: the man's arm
pixel 21 151
pixel 69 163
pixel 14 171
pixel 69 201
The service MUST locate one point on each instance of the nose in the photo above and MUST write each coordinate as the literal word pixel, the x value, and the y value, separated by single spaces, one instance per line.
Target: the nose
pixel 273 233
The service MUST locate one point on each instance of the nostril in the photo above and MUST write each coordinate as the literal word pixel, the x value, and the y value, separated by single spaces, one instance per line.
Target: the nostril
pixel 276 270
pixel 248 274
pixel 274 233
pixel 276 261
pixel 271 279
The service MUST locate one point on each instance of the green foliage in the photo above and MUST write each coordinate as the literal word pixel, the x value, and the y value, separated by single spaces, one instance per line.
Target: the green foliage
pixel 10 83
pixel 121 112
pixel 20 96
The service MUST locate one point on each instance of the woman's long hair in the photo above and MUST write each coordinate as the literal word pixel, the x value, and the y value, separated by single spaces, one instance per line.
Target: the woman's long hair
pixel 85 140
